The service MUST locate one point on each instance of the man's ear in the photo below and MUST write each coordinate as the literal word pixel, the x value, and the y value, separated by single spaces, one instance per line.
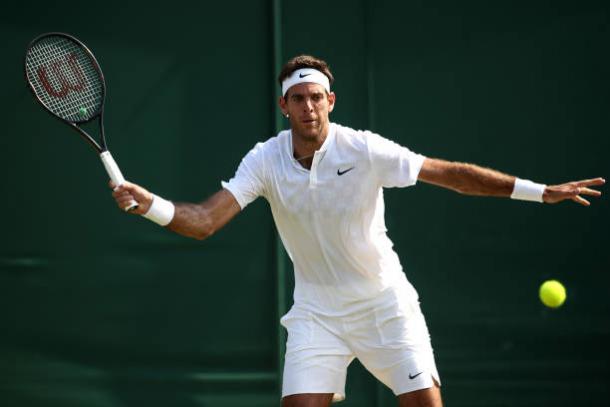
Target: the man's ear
pixel 332 98
pixel 282 102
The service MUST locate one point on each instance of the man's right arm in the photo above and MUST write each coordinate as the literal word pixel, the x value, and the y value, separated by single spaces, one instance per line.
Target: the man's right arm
pixel 198 221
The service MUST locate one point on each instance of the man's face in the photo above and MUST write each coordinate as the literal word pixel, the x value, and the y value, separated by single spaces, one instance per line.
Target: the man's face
pixel 308 105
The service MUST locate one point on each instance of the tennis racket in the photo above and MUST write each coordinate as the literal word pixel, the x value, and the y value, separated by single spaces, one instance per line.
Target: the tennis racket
pixel 68 82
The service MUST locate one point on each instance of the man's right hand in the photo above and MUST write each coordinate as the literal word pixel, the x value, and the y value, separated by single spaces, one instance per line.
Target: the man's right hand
pixel 128 192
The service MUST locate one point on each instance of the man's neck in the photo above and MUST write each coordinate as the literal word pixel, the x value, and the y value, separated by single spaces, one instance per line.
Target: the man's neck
pixel 304 147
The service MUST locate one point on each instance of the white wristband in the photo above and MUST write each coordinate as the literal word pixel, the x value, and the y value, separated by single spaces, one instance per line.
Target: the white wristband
pixel 161 211
pixel 526 190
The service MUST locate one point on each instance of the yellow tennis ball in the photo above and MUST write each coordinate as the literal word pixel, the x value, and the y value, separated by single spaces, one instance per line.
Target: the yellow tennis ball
pixel 552 293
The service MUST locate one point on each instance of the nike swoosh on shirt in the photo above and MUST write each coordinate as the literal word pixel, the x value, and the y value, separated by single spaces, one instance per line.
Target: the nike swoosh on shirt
pixel 339 172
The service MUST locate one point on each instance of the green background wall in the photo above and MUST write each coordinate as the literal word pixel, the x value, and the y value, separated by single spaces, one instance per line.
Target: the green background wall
pixel 101 309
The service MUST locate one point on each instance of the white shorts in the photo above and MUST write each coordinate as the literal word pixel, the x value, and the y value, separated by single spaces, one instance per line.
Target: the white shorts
pixel 391 341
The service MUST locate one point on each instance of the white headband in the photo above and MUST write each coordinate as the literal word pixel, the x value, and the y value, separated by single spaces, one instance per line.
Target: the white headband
pixel 305 75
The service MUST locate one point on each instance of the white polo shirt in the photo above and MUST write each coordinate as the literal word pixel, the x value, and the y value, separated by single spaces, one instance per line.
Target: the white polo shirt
pixel 331 218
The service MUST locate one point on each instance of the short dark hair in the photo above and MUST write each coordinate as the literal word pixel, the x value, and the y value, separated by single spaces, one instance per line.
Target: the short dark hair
pixel 305 61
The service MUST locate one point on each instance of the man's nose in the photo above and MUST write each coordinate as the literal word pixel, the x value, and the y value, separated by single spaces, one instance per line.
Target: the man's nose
pixel 308 105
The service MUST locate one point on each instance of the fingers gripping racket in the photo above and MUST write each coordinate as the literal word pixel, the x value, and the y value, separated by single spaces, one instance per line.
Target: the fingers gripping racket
pixel 67 81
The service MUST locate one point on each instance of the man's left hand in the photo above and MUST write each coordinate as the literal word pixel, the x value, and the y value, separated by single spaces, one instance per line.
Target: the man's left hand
pixel 573 191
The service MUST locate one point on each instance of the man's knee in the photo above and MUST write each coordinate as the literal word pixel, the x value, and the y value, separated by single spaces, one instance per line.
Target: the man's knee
pixel 430 397
pixel 308 400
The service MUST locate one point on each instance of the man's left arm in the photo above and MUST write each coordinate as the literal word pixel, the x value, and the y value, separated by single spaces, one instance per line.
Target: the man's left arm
pixel 471 179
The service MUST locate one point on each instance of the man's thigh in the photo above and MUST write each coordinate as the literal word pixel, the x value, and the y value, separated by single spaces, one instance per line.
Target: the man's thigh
pixel 394 345
pixel 316 358
pixel 308 400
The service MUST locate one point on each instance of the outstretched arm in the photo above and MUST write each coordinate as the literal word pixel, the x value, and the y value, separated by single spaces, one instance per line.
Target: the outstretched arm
pixel 470 179
pixel 198 221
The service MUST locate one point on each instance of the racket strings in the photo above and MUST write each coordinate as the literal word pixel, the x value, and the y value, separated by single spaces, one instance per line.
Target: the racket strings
pixel 65 78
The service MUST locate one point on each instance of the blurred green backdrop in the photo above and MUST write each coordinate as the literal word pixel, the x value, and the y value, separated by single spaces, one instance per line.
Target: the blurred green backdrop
pixel 103 309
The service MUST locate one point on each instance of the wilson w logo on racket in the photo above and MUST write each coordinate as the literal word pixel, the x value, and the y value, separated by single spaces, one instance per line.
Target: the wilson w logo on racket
pixel 67 81
pixel 75 80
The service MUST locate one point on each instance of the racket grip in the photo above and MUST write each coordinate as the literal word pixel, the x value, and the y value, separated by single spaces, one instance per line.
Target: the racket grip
pixel 115 175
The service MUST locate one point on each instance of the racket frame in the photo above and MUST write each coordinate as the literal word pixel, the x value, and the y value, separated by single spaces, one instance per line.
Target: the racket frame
pixel 99 114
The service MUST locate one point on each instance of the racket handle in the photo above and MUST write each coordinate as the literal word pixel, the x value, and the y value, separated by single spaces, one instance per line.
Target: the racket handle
pixel 115 175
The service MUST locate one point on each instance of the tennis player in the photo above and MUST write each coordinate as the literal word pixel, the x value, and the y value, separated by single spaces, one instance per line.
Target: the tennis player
pixel 324 183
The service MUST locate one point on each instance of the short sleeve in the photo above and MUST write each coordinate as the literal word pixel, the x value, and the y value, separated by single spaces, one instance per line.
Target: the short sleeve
pixel 248 182
pixel 395 165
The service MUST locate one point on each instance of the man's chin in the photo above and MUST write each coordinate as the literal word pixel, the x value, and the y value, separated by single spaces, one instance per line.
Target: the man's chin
pixel 309 132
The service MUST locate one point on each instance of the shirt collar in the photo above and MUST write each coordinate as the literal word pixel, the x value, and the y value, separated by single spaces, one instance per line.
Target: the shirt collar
pixel 329 137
